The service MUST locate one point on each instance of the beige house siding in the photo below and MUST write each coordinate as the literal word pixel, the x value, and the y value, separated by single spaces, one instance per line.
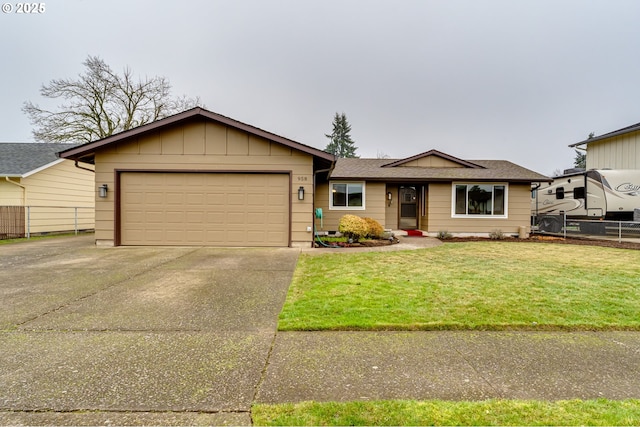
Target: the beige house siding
pixel 207 147
pixel 10 193
pixel 423 201
pixel 52 194
pixel 437 210
pixel 620 152
pixel 439 199
pixel 375 202
pixel 391 209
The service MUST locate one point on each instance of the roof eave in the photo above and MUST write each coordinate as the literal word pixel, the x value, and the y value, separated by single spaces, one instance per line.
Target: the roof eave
pixel 607 136
pixel 449 179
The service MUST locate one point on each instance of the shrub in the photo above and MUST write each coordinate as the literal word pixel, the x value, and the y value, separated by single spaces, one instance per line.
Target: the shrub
pixel 496 235
pixel 374 228
pixel 444 235
pixel 353 226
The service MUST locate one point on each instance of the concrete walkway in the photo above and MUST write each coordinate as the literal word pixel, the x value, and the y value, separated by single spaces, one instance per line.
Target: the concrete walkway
pixel 187 336
pixel 404 243
pixel 345 366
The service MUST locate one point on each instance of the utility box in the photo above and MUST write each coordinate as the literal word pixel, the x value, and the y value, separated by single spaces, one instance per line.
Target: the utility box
pixel 523 232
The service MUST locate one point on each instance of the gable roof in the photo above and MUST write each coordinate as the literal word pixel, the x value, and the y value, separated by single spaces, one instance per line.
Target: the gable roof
pixel 430 153
pixel 484 170
pixel 21 159
pixel 86 152
pixel 624 130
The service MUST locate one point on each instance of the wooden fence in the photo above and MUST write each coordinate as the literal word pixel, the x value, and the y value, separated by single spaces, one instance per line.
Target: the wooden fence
pixel 12 222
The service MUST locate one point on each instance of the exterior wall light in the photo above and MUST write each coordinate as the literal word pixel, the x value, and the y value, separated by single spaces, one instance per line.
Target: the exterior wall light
pixel 102 190
pixel 301 193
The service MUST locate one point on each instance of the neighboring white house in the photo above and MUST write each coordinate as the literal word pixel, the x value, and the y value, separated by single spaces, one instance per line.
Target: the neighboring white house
pixel 619 149
pixel 41 193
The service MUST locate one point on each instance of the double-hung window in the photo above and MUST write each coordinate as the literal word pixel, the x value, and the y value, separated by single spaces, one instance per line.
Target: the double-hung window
pixel 346 195
pixel 479 200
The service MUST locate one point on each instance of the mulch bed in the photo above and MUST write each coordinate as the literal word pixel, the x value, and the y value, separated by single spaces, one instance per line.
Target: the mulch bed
pixel 363 244
pixel 554 240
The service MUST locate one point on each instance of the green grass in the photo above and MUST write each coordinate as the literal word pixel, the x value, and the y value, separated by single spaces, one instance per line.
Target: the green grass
pixel 475 285
pixel 43 236
pixel 437 412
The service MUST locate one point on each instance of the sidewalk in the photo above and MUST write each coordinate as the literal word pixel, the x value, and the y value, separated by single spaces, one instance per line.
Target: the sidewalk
pixel 452 365
pixel 462 365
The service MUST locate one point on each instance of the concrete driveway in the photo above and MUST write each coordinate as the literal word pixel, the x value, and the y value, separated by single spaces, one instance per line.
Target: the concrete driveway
pixel 187 336
pixel 135 335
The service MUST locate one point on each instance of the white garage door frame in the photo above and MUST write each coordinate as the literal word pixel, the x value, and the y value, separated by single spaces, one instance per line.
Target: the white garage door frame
pixel 118 191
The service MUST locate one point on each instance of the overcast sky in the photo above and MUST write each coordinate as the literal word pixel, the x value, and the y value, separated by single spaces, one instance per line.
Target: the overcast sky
pixel 477 79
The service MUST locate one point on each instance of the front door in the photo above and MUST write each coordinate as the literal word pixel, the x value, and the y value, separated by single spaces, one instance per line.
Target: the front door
pixel 408 208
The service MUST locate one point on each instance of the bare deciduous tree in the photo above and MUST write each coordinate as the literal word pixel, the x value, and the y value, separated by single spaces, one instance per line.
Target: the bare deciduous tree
pixel 101 103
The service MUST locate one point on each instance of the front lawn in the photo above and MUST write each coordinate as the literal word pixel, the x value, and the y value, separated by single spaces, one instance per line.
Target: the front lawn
pixel 600 412
pixel 474 285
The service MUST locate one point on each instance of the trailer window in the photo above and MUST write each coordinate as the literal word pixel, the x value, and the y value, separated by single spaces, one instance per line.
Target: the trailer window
pixel 560 193
pixel 578 193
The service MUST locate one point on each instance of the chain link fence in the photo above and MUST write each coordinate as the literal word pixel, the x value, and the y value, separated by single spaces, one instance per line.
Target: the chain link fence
pixel 27 221
pixel 560 225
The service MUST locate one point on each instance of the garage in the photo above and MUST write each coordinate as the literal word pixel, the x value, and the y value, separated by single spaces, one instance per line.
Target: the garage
pixel 198 178
pixel 209 209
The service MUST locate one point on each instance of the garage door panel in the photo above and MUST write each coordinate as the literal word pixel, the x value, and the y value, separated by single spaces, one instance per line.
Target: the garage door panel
pixel 217 209
pixel 195 199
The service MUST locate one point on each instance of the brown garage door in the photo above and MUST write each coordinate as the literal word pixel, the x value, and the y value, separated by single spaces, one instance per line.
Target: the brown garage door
pixel 212 209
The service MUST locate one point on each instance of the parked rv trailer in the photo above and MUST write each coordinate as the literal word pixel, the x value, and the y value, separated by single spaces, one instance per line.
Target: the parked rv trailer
pixel 593 194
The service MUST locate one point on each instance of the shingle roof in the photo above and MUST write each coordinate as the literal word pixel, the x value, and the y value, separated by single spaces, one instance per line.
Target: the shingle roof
pixel 490 170
pixel 20 158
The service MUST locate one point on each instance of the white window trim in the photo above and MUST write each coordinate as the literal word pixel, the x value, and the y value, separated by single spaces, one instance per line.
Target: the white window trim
pixel 347 208
pixel 506 200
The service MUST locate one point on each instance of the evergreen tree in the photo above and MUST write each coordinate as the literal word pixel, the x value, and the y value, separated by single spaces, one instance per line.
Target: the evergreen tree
pixel 580 161
pixel 341 144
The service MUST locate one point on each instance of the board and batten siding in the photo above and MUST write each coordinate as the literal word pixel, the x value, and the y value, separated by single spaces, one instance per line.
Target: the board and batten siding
pixel 204 146
pixel 620 152
pixel 375 193
pixel 440 219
